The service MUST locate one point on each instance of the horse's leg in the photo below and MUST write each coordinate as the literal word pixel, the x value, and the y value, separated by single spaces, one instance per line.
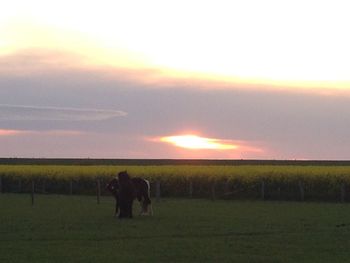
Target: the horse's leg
pixel 145 208
pixel 123 212
pixel 116 208
pixel 141 210
pixel 139 198
pixel 147 204
pixel 147 199
pixel 123 207
pixel 116 205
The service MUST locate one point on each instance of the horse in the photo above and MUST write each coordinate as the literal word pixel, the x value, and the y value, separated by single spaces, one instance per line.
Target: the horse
pixel 125 190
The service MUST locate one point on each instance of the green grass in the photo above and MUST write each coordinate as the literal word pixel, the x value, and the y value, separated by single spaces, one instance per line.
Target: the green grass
pixel 76 229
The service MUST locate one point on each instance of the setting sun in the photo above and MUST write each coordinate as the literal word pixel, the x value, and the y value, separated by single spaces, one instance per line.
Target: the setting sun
pixel 196 142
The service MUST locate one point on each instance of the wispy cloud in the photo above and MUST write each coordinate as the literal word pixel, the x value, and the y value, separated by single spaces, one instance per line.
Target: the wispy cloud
pixel 22 112
pixel 10 132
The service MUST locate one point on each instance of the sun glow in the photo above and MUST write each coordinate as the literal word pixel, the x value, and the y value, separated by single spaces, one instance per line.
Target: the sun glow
pixel 196 142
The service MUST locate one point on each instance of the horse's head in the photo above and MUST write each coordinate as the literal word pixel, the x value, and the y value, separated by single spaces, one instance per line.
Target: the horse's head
pixel 113 186
pixel 123 177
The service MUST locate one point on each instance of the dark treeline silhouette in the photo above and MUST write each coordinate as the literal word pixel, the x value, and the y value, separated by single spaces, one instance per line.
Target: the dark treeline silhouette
pixel 88 161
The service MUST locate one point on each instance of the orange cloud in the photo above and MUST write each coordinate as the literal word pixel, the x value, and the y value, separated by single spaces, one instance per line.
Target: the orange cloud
pixel 4 132
pixel 33 62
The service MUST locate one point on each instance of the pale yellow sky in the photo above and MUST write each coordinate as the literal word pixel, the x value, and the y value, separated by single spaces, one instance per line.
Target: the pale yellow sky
pixel 302 43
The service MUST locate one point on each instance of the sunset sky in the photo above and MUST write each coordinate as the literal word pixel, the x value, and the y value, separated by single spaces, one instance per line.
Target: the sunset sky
pixel 243 79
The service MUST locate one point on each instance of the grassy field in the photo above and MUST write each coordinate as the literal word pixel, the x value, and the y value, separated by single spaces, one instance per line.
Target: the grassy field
pixel 76 229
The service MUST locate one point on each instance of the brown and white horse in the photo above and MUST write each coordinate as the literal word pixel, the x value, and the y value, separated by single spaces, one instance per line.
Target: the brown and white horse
pixel 125 190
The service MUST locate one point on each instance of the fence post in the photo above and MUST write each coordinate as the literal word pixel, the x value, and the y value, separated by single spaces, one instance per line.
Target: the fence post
pixel 301 190
pixel 342 192
pixel 71 187
pixel 226 188
pixel 213 196
pixel 20 185
pixel 32 191
pixel 157 190
pixel 98 190
pixel 44 186
pixel 279 192
pixel 101 188
pixel 190 189
pixel 263 190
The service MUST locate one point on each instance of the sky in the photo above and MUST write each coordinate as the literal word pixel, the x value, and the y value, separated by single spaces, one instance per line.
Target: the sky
pixel 238 79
